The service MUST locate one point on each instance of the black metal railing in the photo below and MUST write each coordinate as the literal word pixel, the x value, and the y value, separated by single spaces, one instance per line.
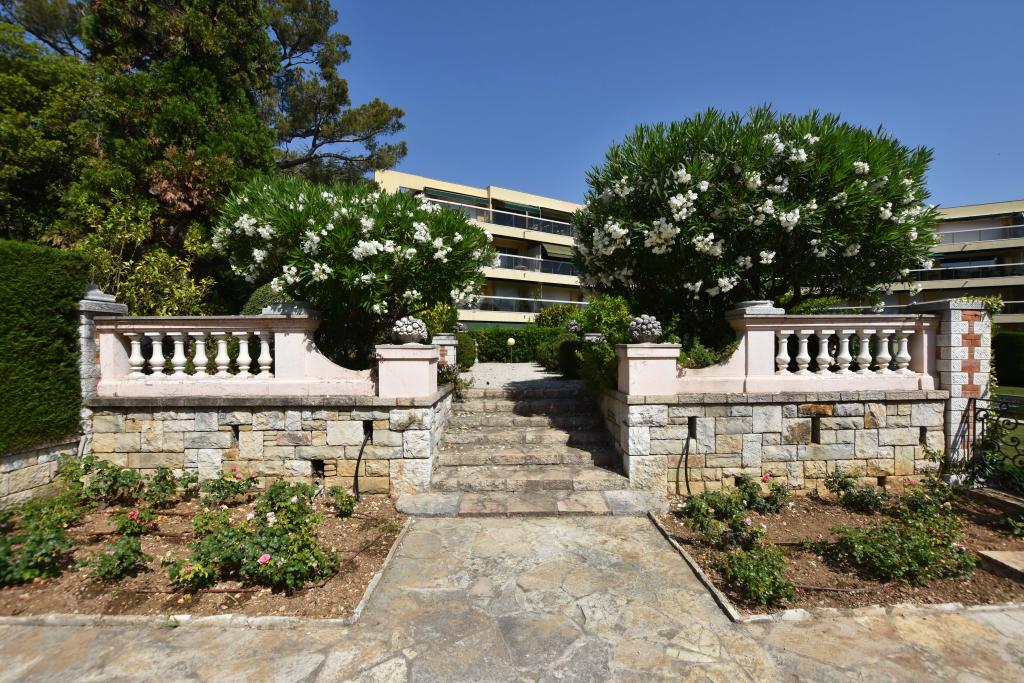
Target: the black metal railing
pixel 996 431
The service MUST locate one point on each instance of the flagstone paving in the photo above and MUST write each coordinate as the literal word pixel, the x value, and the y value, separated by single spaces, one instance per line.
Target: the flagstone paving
pixel 532 599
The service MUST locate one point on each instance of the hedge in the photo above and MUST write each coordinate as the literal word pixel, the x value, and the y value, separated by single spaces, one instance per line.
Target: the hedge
pixel 492 343
pixel 465 352
pixel 39 292
pixel 1008 349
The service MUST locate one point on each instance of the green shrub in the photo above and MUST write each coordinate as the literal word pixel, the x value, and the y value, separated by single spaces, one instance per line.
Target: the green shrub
pixel 262 297
pixel 930 496
pixel 135 522
pixel 557 315
pixel 772 502
pixel 344 502
pixel 113 485
pixel 117 560
pixel 569 357
pixel 440 318
pixel 916 549
pixel 757 575
pixel 40 289
pixel 854 496
pixel 598 367
pixel 492 343
pixel 722 517
pixel 210 522
pixel 37 546
pixel 227 487
pixel 163 488
pixel 1008 352
pixel 465 351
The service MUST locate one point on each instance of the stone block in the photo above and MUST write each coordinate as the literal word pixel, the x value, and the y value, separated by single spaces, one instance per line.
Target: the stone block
pixel 848 410
pixel 716 411
pixel 789 410
pixel 899 436
pixel 250 445
pixel 108 423
pixel 374 485
pixel 280 452
pixel 705 435
pixel 377 468
pixel 652 416
pixel 831 451
pixel 666 446
pixel 386 437
pixel 298 468
pixel 28 478
pixel 819 409
pixel 842 423
pixel 293 420
pixel 208 439
pixel 926 414
pixel 779 453
pixel 815 469
pixel 878 467
pixel 771 438
pixel 638 441
pixel 671 432
pixel 729 443
pixel 110 442
pixel 741 411
pixel 686 411
pixel 897 420
pixel 841 435
pixel 796 431
pixel 904 460
pixel 866 443
pixel 374 452
pixel 158 441
pixel 415 443
pixel 268 419
pixel 733 425
pixel 207 460
pixel 766 418
pixel 646 473
pixel 717 460
pixel 151 461
pixel 752 450
pixel 316 453
pixel 293 439
pixel 347 433
pixel 206 421
pixel 409 476
pixel 417 418
pixel 874 415
pixel 235 417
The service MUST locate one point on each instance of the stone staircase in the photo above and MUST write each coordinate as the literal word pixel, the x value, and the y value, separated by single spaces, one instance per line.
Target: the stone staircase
pixel 533 447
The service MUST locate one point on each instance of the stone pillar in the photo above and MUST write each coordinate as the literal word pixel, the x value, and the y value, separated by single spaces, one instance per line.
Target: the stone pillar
pixel 406 370
pixel 96 303
pixel 447 347
pixel 963 359
pixel 647 369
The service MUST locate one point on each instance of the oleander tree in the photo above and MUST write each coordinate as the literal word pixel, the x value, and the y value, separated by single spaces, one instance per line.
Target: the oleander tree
pixel 687 219
pixel 363 258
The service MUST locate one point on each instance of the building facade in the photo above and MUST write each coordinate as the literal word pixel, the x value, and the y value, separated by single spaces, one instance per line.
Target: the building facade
pixel 532 234
pixel 981 253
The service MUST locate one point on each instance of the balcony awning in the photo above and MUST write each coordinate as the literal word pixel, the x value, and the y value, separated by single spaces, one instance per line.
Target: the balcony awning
pixel 456 197
pixel 558 251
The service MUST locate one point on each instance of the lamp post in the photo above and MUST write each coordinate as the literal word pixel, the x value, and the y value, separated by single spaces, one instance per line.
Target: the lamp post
pixel 510 343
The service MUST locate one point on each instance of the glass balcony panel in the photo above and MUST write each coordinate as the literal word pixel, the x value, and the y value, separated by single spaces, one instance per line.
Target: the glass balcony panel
pixel 982 234
pixel 511 220
pixel 969 272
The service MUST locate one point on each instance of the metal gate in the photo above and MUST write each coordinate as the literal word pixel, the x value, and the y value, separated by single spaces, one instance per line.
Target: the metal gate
pixel 997 444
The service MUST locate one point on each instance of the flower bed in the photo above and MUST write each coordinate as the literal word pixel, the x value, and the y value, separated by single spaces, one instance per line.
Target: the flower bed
pixel 121 545
pixel 919 547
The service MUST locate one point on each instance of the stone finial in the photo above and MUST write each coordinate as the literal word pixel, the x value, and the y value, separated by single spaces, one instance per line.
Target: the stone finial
pixel 96 301
pixel 756 307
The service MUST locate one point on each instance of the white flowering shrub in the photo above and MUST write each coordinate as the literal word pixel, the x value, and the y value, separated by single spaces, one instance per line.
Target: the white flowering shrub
pixel 363 258
pixel 685 220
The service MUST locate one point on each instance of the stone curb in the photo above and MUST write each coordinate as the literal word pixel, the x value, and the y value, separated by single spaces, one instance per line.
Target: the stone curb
pixel 802 614
pixel 217 620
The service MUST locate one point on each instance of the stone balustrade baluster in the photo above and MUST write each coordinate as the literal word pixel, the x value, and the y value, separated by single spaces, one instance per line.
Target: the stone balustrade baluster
pixel 156 358
pixel 244 360
pixel 843 357
pixel 136 361
pixel 864 355
pixel 178 358
pixel 782 357
pixel 902 352
pixel 223 360
pixel 199 359
pixel 883 357
pixel 265 358
pixel 823 359
pixel 803 358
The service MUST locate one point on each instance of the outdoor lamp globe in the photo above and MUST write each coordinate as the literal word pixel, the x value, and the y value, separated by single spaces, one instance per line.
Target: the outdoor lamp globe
pixel 511 342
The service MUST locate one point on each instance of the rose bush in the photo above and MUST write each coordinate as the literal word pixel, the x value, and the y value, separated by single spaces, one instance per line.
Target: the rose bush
pixel 687 219
pixel 363 258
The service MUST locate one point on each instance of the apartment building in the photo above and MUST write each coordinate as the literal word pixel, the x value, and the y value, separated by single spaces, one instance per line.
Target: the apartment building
pixel 532 234
pixel 981 253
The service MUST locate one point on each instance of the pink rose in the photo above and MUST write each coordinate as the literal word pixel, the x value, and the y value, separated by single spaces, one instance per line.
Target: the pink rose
pixel 252 475
pixel 238 475
pixel 766 478
pixel 134 514
pixel 234 468
pixel 263 559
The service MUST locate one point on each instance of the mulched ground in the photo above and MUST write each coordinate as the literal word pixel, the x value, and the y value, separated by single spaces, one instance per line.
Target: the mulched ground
pixel 812 518
pixel 362 542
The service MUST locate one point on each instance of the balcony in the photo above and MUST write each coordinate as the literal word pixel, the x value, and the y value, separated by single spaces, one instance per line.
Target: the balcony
pixel 511 220
pixel 506 304
pixel 969 272
pixel 1006 232
pixel 536 265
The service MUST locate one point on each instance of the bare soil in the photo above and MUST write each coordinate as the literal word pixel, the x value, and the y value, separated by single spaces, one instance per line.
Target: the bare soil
pixel 362 542
pixel 820 583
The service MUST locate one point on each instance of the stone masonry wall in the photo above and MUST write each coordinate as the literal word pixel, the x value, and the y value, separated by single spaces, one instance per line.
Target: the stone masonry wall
pixel 28 472
pixel 797 438
pixel 279 441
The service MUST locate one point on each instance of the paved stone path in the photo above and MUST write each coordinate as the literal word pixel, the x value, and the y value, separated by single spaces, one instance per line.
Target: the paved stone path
pixel 546 599
pixel 491 375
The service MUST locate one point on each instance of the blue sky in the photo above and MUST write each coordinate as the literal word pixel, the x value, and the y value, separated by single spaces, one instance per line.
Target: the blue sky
pixel 528 94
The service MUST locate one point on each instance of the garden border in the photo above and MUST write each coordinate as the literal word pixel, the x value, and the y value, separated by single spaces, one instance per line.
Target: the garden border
pixel 267 623
pixel 804 614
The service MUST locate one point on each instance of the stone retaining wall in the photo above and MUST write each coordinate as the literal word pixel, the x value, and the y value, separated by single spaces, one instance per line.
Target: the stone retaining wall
pixel 287 438
pixel 28 472
pixel 797 438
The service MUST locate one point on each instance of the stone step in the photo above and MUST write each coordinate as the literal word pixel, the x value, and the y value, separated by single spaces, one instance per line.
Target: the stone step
pixel 499 420
pixel 527 455
pixel 526 407
pixel 490 438
pixel 539 503
pixel 555 388
pixel 482 478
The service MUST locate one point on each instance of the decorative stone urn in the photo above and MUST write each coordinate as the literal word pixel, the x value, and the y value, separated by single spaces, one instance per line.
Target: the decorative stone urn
pixel 409 330
pixel 645 329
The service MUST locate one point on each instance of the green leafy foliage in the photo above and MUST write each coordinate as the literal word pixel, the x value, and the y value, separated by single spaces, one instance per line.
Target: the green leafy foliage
pixel 855 496
pixel 722 517
pixel 557 316
pixel 915 548
pixel 135 522
pixel 930 496
pixel 465 351
pixel 39 343
pixel 440 318
pixel 757 575
pixel 111 484
pixel 762 206
pixel 364 259
pixel 123 557
pixel 34 543
pixel 492 343
pixel 163 488
pixel 343 501
pixel 264 296
pixel 608 316
pixel 227 487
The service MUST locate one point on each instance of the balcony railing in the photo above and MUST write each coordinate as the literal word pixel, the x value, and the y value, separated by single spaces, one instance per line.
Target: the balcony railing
pixel 1004 232
pixel 507 304
pixel 969 272
pixel 511 220
pixel 536 265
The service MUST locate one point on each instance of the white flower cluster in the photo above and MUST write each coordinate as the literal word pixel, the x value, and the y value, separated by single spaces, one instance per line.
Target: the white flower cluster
pixel 661 237
pixel 767 257
pixel 421 233
pixel 861 168
pixel 820 250
pixel 464 297
pixel 681 205
pixel 321 271
pixel 778 147
pixel 744 262
pixel 573 326
pixel 610 237
pixel 366 248
pixel 410 327
pixel 440 250
pixel 780 186
pixel 789 219
pixel 706 244
pixel 645 328
pixel 724 285
pixel 851 250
